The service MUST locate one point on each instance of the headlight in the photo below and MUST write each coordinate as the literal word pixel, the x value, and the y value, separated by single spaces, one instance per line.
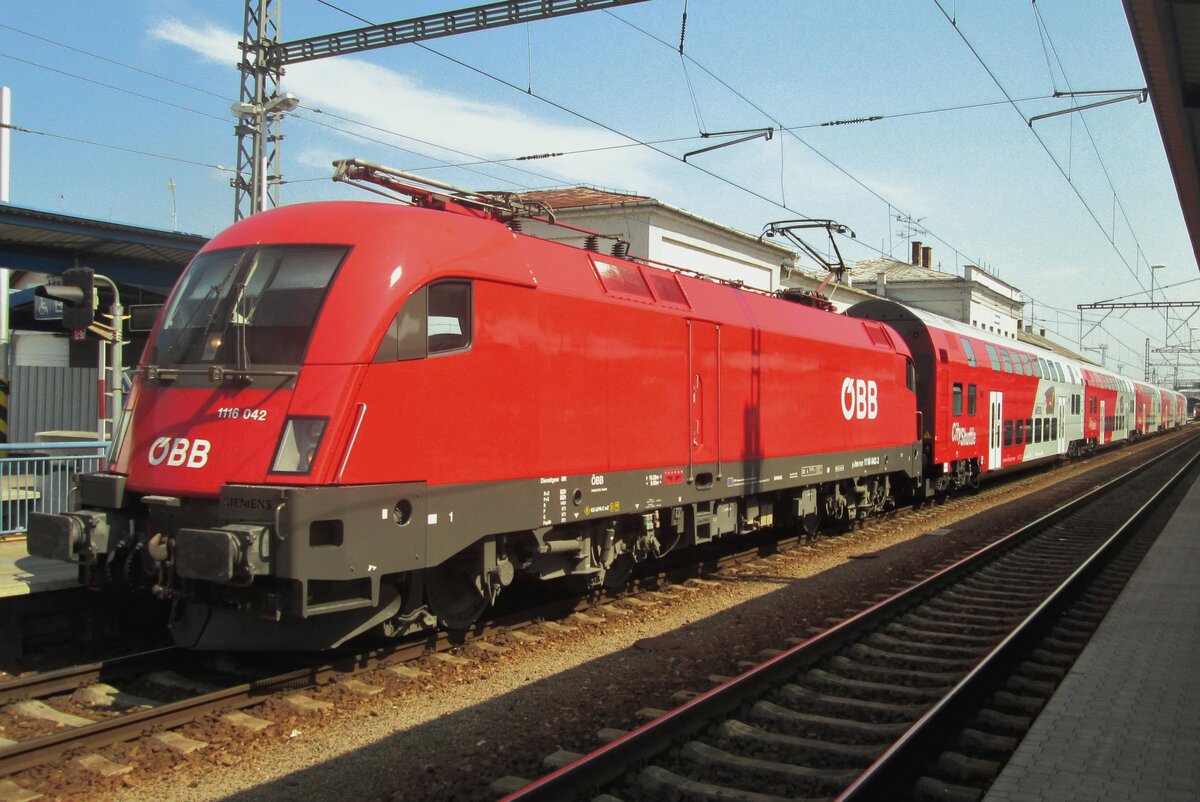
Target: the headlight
pixel 298 446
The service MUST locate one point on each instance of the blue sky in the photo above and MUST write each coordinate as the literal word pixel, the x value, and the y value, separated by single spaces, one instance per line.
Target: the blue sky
pixel 157 78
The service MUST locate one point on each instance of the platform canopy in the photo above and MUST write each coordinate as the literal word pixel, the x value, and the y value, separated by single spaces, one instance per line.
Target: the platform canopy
pixel 49 242
pixel 1167 36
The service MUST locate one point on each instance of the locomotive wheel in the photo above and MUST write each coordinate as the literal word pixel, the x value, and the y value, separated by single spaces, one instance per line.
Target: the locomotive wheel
pixel 455 594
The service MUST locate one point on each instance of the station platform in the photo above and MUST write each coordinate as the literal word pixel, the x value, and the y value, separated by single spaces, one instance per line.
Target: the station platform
pixel 21 575
pixel 1125 723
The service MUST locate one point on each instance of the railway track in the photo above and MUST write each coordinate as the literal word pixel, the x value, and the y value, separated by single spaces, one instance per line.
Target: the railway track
pixel 112 693
pixel 921 696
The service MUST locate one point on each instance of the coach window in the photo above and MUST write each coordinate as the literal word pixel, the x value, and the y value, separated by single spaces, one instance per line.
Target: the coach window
pixel 971 393
pixel 1008 368
pixel 991 349
pixel 957 399
pixel 1019 438
pixel 1037 430
pixel 910 375
pixel 968 350
pixel 1037 366
pixel 1008 433
pixel 1054 428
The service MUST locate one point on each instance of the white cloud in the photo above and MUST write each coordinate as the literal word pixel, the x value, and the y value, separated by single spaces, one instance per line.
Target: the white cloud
pixel 435 122
pixel 210 41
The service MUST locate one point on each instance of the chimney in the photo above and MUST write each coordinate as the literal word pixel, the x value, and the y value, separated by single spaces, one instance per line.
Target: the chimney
pixel 927 257
pixel 916 252
pixel 881 284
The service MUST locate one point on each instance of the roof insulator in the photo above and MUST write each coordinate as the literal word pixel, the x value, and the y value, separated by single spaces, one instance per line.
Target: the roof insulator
pixel 592 243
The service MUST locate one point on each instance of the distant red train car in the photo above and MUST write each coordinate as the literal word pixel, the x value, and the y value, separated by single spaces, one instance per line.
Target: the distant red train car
pixel 989 403
pixel 362 417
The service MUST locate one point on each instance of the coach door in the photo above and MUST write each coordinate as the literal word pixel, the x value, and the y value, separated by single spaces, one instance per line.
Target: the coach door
pixel 1062 425
pixel 995 428
pixel 1100 440
pixel 704 402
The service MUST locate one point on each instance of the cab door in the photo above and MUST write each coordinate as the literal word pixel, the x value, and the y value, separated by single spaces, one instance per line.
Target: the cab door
pixel 704 402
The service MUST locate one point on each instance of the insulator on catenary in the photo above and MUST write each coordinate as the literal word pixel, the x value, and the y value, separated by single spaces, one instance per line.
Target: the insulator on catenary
pixel 592 243
pixel 515 225
pixel 620 249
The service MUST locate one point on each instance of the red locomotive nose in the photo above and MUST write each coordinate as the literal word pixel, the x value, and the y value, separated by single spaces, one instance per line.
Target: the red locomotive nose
pixel 191 440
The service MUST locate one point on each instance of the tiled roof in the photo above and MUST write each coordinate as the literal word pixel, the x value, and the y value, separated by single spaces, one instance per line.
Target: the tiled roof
pixel 867 270
pixel 578 197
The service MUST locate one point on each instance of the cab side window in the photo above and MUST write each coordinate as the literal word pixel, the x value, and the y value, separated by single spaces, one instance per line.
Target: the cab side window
pixel 436 319
pixel 449 320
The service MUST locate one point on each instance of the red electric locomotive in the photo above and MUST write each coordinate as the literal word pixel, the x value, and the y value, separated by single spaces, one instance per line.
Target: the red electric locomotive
pixel 358 417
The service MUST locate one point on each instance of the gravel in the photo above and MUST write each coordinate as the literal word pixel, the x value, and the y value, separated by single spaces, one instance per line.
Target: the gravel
pixel 448 734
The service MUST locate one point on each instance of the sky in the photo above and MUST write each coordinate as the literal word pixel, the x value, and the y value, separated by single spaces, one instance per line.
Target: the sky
pixel 127 108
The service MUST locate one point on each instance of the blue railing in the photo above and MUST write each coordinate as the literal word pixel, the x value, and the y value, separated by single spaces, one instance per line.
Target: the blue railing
pixel 38 477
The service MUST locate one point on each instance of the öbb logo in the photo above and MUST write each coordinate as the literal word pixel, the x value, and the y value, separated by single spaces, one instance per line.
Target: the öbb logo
pixel 860 399
pixel 180 451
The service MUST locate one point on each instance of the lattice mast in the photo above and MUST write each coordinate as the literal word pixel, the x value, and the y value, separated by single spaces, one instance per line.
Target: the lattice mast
pixel 256 184
pixel 264 57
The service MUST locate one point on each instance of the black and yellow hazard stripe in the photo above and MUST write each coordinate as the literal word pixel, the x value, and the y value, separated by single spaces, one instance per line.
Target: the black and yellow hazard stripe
pixel 3 415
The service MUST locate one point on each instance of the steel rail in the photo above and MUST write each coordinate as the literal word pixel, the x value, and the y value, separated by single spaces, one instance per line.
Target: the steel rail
pixel 66 679
pixel 611 761
pixel 882 777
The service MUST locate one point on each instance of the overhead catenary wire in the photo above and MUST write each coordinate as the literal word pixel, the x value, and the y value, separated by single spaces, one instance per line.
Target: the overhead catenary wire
pixel 1012 102
pixel 109 146
pixel 1095 147
pixel 225 119
pixel 791 131
pixel 634 143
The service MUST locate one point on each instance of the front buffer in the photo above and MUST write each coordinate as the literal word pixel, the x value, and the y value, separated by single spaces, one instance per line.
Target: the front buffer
pixel 328 559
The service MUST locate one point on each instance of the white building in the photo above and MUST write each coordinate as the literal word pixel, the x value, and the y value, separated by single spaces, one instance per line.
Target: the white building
pixel 662 233
pixel 976 298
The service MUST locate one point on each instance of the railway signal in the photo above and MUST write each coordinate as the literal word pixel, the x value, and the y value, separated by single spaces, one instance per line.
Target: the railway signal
pixel 77 295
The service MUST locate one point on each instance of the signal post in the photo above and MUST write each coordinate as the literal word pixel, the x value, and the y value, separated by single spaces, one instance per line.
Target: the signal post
pixel 77 294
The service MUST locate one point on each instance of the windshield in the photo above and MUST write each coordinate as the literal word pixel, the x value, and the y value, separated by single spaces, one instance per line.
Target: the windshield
pixel 248 306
